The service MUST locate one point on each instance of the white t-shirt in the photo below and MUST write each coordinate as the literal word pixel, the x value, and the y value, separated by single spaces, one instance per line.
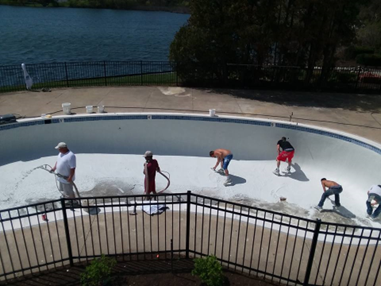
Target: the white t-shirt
pixel 375 189
pixel 65 162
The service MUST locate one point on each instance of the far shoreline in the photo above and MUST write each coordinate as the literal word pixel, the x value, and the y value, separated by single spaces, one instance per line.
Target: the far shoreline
pixel 178 10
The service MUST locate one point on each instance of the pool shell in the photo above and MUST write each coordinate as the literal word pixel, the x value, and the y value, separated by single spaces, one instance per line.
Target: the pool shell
pixel 352 161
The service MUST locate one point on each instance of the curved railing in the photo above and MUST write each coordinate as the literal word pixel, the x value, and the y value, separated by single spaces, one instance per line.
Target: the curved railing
pixel 280 247
pixel 119 73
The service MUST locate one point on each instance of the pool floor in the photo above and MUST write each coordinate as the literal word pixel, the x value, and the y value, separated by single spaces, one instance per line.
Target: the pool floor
pixel 253 183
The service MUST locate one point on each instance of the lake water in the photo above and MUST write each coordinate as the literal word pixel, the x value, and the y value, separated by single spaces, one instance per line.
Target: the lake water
pixel 45 35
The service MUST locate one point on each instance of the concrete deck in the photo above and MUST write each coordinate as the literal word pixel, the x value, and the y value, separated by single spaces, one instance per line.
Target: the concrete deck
pixel 352 113
pixel 355 114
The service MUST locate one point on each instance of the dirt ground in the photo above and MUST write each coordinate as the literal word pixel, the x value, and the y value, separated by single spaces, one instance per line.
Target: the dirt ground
pixel 158 279
pixel 186 279
pixel 139 273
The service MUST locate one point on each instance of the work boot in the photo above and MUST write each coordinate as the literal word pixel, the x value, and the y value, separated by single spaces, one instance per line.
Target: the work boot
pixel 228 181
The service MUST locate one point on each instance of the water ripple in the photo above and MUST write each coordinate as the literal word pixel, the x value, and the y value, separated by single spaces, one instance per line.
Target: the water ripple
pixel 35 35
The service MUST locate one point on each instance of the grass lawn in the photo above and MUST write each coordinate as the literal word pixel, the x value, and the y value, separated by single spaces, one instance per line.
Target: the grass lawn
pixel 144 79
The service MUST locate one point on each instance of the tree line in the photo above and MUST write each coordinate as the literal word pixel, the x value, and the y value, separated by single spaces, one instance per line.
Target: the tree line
pixel 294 33
pixel 106 4
pixel 299 33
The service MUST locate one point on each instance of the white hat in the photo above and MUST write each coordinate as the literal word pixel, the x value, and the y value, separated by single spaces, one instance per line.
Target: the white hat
pixel 148 154
pixel 61 145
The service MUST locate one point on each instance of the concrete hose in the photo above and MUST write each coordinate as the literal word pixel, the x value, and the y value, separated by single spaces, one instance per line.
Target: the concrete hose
pixel 168 181
pixel 46 166
pixel 146 187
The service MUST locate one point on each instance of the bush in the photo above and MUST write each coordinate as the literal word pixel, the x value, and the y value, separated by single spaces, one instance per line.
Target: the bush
pixel 209 270
pixel 98 272
pixel 353 51
pixel 343 77
pixel 369 60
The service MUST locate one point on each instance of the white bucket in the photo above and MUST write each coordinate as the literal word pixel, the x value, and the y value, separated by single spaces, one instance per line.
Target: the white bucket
pixel 89 108
pixel 66 108
pixel 101 108
pixel 212 112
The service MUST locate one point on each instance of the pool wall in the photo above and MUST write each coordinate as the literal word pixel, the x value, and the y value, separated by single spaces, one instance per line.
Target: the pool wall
pixel 333 154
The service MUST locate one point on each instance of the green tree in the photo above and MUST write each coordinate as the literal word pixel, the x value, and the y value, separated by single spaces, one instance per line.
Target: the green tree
pixel 21 2
pixel 282 32
pixel 220 32
pixel 46 3
pixel 112 4
pixel 369 31
pixel 324 26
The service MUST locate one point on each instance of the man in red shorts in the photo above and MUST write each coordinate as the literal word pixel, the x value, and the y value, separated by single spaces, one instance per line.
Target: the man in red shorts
pixel 287 153
pixel 151 166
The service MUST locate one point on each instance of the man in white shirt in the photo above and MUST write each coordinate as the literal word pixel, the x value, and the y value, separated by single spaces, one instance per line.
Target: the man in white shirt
pixel 65 167
pixel 374 194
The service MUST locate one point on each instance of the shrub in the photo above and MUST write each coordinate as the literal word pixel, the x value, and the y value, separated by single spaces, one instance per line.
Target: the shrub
pixel 209 270
pixel 369 60
pixel 98 272
pixel 353 51
pixel 343 77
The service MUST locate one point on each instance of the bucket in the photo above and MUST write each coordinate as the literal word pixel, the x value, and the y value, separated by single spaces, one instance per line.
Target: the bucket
pixel 212 112
pixel 44 217
pixel 89 108
pixel 101 108
pixel 66 108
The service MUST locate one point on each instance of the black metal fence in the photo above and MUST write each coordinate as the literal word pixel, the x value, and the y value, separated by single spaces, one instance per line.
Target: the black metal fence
pixel 88 74
pixel 346 79
pixel 279 247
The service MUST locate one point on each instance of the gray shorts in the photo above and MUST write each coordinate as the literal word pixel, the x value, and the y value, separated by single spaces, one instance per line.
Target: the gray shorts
pixel 67 190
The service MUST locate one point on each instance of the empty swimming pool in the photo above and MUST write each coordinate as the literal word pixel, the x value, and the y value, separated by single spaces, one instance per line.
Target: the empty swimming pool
pixel 109 149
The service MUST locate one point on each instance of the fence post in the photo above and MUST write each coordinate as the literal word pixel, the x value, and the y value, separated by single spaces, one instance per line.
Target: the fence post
pixel 171 255
pixel 67 78
pixel 312 252
pixel 104 68
pixel 188 225
pixel 67 233
pixel 141 72
pixel 358 77
pixel 225 74
pixel 177 77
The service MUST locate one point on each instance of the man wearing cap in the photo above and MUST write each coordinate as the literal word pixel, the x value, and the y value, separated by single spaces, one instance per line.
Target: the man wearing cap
pixel 151 166
pixel 65 167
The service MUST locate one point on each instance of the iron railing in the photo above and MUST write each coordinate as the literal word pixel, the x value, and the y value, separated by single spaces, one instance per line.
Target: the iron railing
pixel 55 75
pixel 276 246
pixel 135 73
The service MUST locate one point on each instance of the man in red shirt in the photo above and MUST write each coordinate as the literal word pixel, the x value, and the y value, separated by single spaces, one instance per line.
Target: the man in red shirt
pixel 151 166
